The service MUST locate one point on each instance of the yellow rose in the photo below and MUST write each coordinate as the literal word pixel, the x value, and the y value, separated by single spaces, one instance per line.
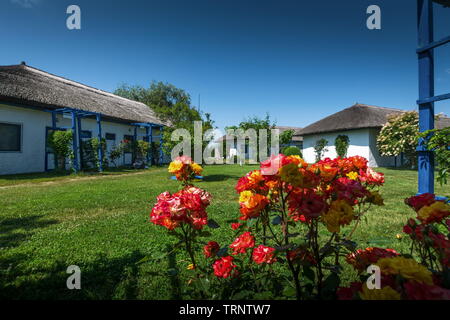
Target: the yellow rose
pixel 376 198
pixel 427 211
pixel 291 174
pixel 352 175
pixel 340 213
pixel 196 168
pixel 175 166
pixel 385 293
pixel 407 268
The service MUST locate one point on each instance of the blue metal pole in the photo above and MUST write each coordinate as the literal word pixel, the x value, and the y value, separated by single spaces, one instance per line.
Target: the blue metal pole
pixel 426 90
pixel 74 142
pixel 100 149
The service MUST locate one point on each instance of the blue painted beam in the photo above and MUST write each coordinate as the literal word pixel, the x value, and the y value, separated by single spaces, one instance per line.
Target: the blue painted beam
pixel 433 45
pixel 100 149
pixel 426 91
pixel 434 99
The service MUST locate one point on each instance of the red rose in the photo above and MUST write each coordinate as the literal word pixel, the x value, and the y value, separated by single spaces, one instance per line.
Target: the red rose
pixel 223 267
pixel 417 202
pixel 236 225
pixel 263 254
pixel 211 249
pixel 242 243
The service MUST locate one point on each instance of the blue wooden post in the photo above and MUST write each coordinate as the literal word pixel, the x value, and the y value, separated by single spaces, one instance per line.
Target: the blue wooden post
pixel 81 144
pixel 75 142
pixel 55 161
pixel 161 145
pixel 100 149
pixel 150 140
pixel 135 144
pixel 147 134
pixel 426 90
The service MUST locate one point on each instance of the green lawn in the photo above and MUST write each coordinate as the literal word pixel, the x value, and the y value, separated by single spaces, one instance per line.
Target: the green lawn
pixel 101 224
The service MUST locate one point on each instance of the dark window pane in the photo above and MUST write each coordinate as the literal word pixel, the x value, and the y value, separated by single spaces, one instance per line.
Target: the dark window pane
pixel 85 134
pixel 10 137
pixel 128 137
pixel 110 136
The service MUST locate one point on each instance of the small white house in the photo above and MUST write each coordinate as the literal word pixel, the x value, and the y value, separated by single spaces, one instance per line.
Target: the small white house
pixel 33 103
pixel 362 124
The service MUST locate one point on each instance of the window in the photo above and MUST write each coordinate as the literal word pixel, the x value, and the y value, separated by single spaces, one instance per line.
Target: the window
pixel 110 136
pixel 85 134
pixel 128 137
pixel 10 137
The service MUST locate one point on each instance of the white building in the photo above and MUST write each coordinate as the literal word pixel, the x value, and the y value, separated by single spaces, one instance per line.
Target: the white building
pixel 361 123
pixel 34 102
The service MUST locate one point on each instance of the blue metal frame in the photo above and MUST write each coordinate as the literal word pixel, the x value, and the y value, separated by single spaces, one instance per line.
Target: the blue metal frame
pixel 426 90
pixel 149 134
pixel 77 115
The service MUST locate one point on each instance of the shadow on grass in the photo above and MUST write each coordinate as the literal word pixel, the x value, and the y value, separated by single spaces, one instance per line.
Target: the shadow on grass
pixel 104 278
pixel 101 279
pixel 220 177
pixel 13 231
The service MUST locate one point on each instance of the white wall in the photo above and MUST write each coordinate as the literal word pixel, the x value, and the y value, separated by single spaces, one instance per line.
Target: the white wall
pixel 362 143
pixel 32 156
pixel 34 123
pixel 358 145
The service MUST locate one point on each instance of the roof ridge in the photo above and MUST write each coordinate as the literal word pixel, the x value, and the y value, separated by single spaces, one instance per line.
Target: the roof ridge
pixel 372 106
pixel 70 82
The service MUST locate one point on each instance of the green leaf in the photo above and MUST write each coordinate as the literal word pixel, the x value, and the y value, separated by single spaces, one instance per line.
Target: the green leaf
pixel 277 220
pixel 213 224
pixel 172 272
pixel 309 273
pixel 222 252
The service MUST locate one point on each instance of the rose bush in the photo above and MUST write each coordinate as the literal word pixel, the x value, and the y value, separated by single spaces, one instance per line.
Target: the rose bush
pixel 293 234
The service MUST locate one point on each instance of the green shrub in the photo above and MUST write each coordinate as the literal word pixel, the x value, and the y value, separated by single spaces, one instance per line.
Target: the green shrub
pixel 292 151
pixel 320 148
pixel 60 142
pixel 341 143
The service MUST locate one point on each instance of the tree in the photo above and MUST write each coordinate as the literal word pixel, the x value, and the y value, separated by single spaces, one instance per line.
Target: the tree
pixel 438 141
pixel 341 143
pixel 286 136
pixel 400 135
pixel 170 104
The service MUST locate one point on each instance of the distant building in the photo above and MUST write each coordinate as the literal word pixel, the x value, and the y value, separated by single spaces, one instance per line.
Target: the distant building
pixel 362 124
pixel 296 140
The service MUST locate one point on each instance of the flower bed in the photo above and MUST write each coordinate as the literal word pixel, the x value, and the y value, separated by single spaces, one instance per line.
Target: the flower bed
pixel 300 218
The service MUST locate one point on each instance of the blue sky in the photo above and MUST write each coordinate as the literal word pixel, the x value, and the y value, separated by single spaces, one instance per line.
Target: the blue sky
pixel 297 60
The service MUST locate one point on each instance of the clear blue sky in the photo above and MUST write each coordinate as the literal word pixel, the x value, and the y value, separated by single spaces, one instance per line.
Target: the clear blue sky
pixel 297 60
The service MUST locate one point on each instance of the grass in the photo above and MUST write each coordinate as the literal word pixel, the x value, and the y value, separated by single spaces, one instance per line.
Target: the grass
pixel 101 225
pixel 32 178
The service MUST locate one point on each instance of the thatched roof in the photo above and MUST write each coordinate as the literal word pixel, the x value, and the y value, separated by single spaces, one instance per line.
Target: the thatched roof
pixel 358 116
pixel 25 85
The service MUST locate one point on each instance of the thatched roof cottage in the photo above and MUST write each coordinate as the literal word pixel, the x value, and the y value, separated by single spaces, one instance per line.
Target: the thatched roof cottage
pixel 361 123
pixel 34 102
